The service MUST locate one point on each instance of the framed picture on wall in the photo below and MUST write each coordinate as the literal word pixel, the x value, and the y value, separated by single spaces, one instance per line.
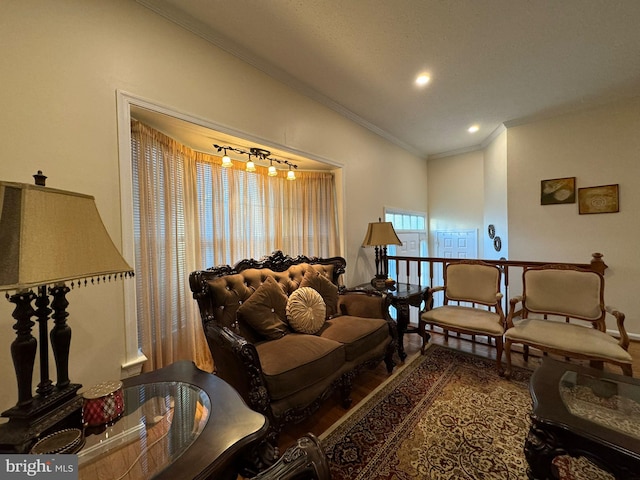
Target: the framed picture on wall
pixel 558 190
pixel 601 199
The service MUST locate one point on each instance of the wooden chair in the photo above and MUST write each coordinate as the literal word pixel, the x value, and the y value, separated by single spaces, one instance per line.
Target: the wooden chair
pixel 562 311
pixel 477 285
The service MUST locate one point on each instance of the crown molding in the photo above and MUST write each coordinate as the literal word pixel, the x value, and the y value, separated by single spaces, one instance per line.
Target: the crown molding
pixel 493 135
pixel 129 100
pixel 458 151
pixel 473 148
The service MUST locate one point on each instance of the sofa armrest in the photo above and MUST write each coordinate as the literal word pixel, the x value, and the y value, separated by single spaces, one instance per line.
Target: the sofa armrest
pixel 624 338
pixel 371 304
pixel 237 363
pixel 367 304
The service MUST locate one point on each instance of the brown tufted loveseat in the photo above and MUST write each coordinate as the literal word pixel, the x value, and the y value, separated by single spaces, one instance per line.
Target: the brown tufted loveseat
pixel 287 377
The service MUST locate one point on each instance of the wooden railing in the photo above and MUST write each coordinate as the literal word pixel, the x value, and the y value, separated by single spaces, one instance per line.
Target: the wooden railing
pixel 411 266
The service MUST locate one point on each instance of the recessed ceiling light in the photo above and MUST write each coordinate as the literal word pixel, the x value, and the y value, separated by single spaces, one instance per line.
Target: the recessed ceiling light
pixel 423 79
pixel 473 128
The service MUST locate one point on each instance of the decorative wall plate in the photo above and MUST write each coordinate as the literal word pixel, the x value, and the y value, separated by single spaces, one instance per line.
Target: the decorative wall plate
pixel 497 244
pixel 492 231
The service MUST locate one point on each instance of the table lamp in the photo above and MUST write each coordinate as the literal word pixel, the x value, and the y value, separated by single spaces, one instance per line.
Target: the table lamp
pixel 379 235
pixel 48 237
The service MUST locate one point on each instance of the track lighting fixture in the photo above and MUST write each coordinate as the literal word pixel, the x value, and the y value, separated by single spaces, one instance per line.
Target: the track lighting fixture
pixel 250 166
pixel 226 159
pixel 272 170
pixel 260 154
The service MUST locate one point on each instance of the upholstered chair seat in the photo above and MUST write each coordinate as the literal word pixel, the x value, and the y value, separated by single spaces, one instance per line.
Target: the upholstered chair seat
pixel 476 321
pixel 575 339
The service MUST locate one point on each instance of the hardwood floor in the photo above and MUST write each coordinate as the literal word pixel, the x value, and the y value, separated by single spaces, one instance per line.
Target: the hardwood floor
pixel 367 381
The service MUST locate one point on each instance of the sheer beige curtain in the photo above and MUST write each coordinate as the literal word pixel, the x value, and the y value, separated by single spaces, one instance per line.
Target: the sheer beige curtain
pixel 166 249
pixel 248 215
pixel 191 213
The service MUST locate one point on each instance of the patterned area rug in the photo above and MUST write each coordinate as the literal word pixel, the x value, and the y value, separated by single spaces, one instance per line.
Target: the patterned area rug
pixel 444 415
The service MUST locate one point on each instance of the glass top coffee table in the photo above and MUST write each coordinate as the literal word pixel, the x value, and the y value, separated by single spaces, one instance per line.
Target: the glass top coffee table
pixel 178 422
pixel 581 411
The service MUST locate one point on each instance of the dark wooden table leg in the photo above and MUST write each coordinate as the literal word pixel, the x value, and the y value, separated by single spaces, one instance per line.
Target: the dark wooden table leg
pixel 402 309
pixel 306 459
pixel 422 331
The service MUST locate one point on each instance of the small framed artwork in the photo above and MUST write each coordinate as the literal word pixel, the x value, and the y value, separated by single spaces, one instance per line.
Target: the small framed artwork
pixel 558 190
pixel 601 199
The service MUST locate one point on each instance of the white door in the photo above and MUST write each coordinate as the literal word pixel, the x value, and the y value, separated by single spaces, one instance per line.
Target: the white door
pixel 410 248
pixel 453 244
pixel 457 243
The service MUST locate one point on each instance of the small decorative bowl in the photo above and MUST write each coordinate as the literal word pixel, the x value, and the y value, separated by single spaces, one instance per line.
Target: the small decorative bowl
pixel 69 440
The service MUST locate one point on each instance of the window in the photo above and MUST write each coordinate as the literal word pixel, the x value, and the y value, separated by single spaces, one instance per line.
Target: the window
pixel 191 213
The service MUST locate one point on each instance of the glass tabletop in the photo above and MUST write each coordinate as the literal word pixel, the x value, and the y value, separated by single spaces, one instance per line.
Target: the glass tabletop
pixel 606 402
pixel 399 290
pixel 406 289
pixel 160 421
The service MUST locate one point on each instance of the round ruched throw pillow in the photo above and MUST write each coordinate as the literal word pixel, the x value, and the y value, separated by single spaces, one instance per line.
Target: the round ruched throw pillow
pixel 306 310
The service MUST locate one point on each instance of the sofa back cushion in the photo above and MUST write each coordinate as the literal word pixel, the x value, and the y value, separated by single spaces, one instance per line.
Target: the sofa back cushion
pixel 221 291
pixel 327 290
pixel 265 310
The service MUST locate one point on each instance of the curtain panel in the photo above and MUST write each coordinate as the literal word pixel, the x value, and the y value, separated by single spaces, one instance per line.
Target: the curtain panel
pixel 191 213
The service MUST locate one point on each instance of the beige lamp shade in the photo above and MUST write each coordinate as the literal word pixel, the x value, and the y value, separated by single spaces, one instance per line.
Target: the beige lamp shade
pixel 380 233
pixel 50 236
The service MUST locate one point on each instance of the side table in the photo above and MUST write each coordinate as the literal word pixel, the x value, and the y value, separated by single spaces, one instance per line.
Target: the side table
pixel 402 296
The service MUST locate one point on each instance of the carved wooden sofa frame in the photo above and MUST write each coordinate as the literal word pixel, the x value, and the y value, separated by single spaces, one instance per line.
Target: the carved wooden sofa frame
pixel 236 357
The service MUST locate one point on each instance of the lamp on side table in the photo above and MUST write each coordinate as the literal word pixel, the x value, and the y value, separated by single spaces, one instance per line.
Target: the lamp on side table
pixel 379 235
pixel 47 237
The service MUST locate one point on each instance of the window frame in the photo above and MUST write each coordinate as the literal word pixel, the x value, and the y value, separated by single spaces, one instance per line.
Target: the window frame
pixel 125 101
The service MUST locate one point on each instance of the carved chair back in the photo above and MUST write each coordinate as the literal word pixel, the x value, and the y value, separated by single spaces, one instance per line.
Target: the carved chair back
pixel 564 291
pixel 472 281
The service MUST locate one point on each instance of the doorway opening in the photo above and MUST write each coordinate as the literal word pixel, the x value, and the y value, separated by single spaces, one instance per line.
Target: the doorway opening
pixel 411 228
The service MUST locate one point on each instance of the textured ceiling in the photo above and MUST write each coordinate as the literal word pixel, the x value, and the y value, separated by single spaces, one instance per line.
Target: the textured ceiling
pixel 491 61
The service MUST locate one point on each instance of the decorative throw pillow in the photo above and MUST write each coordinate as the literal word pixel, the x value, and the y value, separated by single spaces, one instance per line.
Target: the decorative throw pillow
pixel 265 310
pixel 325 287
pixel 306 311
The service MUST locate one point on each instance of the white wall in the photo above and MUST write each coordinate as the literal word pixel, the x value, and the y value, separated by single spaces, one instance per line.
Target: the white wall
pixel 598 147
pixel 456 195
pixel 61 64
pixel 495 196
